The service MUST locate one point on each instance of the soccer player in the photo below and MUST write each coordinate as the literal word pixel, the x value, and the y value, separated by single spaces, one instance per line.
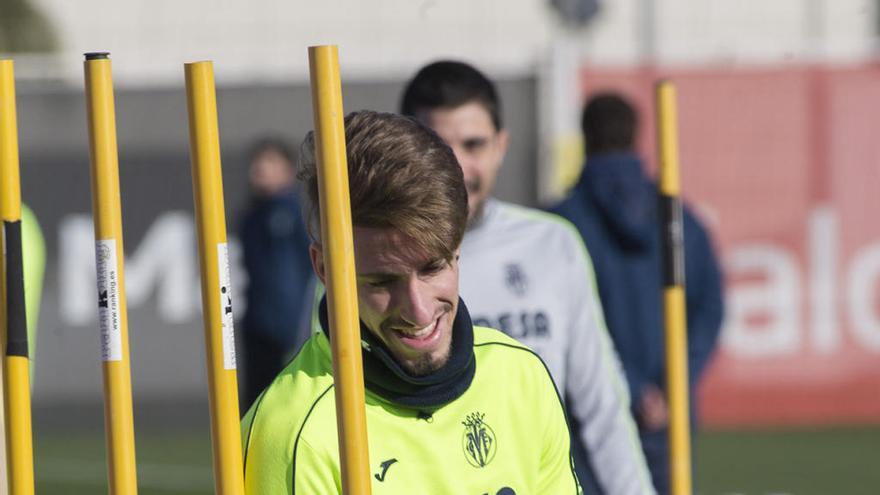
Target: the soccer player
pixel 527 273
pixel 451 407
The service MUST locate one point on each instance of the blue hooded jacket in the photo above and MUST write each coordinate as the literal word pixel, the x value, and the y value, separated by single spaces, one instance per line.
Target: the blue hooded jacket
pixel 615 208
pixel 275 246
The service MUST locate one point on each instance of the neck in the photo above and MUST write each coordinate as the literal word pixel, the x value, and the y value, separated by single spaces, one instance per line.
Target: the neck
pixel 385 377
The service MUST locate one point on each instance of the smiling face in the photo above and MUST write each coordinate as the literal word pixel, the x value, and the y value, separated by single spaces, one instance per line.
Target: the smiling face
pixel 406 298
pixel 478 146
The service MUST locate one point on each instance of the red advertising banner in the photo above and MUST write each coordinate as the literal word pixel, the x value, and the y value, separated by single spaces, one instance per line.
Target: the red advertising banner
pixel 784 167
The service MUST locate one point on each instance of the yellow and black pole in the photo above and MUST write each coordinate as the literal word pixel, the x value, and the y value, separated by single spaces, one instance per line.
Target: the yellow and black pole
pixel 337 244
pixel 110 257
pixel 16 366
pixel 204 143
pixel 675 314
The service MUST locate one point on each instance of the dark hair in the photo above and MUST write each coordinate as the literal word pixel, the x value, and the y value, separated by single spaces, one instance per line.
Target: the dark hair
pixel 401 176
pixel 449 84
pixel 271 144
pixel 608 123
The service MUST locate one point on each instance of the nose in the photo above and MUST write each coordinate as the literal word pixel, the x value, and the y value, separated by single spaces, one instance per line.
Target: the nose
pixel 414 303
pixel 463 158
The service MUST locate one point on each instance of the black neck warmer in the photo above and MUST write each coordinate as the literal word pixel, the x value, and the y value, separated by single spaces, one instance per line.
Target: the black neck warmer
pixel 386 378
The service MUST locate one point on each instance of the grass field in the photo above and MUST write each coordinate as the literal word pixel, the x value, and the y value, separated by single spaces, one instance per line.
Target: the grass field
pixel 167 464
pixel 838 461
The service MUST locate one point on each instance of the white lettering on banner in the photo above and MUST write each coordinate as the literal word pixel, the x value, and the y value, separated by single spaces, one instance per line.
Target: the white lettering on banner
pixel 165 261
pixel 822 248
pixel 164 264
pixel 864 276
pixel 776 299
pixel 76 270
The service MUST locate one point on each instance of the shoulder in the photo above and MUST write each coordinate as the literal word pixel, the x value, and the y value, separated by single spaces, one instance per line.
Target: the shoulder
pixel 581 216
pixel 502 362
pixel 488 341
pixel 286 405
pixel 546 230
pixel 273 429
pixel 505 355
pixel 32 235
pixel 306 376
pixel 250 219
pixel 694 228
pixel 571 205
pixel 485 336
pixel 513 215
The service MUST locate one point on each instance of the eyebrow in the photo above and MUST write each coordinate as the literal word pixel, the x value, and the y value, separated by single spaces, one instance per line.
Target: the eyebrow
pixel 475 141
pixel 432 264
pixel 377 275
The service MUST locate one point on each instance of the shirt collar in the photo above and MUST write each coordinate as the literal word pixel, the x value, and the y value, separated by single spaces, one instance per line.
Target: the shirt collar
pixel 385 377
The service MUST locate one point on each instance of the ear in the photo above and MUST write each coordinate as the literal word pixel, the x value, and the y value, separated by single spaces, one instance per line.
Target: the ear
pixel 316 253
pixel 455 262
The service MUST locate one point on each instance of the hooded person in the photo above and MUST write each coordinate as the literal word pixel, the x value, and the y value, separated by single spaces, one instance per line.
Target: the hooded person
pixel 614 205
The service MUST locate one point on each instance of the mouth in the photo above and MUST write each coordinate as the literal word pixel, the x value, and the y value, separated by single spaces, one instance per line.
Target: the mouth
pixel 473 186
pixel 419 338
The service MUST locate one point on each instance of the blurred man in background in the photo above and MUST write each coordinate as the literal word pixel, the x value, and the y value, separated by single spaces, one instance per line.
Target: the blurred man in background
pixel 276 256
pixel 527 273
pixel 614 206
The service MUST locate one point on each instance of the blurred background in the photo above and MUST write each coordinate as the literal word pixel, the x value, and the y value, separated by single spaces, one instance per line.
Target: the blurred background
pixel 778 115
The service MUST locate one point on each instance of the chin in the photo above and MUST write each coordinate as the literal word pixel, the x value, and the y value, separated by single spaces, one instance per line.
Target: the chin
pixel 426 363
pixel 430 360
pixel 423 355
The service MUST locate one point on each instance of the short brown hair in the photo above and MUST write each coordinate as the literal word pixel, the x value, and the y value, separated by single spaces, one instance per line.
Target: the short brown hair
pixel 609 123
pixel 450 84
pixel 401 176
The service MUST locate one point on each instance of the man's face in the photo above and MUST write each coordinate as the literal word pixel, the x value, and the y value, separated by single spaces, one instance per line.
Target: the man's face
pixel 478 146
pixel 270 173
pixel 406 298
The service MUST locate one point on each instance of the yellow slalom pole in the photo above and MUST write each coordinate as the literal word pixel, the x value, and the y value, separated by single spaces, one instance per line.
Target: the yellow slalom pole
pixel 204 143
pixel 110 257
pixel 16 369
pixel 675 314
pixel 337 240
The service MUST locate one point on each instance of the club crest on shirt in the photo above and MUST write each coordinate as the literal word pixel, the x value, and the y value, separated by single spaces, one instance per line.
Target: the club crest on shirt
pixel 478 440
pixel 515 279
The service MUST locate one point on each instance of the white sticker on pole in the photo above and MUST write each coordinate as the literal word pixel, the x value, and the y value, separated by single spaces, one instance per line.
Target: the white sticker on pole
pixel 228 334
pixel 108 300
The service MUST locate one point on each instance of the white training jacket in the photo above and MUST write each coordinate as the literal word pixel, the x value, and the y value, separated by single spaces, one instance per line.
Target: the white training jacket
pixel 528 274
